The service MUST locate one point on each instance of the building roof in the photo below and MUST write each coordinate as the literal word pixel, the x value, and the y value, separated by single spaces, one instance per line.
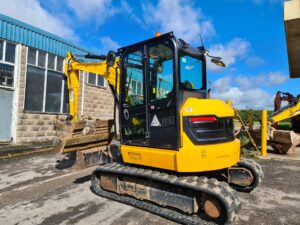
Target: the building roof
pixel 17 31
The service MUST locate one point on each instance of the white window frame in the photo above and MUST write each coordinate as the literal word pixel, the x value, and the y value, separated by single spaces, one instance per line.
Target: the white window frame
pixel 45 80
pixel 2 61
pixel 96 82
pixel 136 87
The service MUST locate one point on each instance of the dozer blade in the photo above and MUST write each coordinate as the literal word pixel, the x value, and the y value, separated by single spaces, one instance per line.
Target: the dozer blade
pixel 82 135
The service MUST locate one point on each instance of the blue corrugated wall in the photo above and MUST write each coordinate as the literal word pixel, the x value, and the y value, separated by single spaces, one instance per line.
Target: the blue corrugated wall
pixel 25 34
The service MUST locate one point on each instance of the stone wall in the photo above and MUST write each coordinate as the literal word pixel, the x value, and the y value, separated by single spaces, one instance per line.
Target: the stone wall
pixel 98 102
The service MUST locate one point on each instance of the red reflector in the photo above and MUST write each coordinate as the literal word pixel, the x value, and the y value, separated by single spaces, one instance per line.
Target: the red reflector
pixel 203 119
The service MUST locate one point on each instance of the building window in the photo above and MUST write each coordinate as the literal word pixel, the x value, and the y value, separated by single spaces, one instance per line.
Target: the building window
pixel 136 87
pixel 1 49
pixel 51 61
pixel 96 80
pixel 7 63
pixel 54 91
pixel 10 52
pixel 31 58
pixel 60 63
pixel 46 89
pixel 34 89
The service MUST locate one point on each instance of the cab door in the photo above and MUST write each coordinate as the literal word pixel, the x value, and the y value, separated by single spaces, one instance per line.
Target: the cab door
pixel 133 98
pixel 162 108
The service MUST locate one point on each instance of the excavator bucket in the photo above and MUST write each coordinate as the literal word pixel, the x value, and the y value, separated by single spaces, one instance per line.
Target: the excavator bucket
pixel 284 141
pixel 82 135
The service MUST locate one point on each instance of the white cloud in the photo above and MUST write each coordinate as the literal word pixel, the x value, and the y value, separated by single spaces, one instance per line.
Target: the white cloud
pixel 266 79
pixel 87 10
pixel 189 67
pixel 230 52
pixel 222 84
pixel 254 98
pixel 276 78
pixel 31 12
pixel 254 61
pixel 107 44
pixel 182 17
pixel 247 91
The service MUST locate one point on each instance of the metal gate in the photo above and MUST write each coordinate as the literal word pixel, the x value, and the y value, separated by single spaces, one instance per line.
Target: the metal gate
pixel 6 99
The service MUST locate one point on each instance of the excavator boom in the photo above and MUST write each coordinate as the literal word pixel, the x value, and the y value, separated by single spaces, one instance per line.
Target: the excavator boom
pixel 109 69
pixel 77 135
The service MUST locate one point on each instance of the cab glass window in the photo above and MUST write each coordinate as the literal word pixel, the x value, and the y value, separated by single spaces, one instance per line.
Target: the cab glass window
pixel 190 73
pixel 161 71
pixel 133 88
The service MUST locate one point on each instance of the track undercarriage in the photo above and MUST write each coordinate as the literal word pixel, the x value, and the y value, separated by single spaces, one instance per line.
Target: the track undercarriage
pixel 184 198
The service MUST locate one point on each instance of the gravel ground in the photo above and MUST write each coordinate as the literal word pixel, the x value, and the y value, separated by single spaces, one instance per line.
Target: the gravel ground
pixel 43 190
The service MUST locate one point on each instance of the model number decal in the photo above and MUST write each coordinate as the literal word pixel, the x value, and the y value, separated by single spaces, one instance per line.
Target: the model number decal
pixel 168 121
pixel 135 155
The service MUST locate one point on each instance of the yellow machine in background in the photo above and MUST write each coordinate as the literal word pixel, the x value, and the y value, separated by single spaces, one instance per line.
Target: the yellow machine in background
pixel 284 141
pixel 178 149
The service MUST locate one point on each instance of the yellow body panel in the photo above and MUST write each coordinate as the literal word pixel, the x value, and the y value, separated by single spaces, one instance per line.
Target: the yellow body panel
pixel 198 107
pixel 190 157
pixel 287 113
pixel 153 157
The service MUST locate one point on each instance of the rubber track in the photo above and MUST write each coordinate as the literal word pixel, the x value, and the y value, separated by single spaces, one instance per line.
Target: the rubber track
pixel 221 190
pixel 255 166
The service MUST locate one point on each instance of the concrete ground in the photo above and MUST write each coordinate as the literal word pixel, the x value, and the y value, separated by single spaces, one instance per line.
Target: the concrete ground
pixel 273 155
pixel 41 189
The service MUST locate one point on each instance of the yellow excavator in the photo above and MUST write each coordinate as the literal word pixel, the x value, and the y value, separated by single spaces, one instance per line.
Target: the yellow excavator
pixel 285 141
pixel 179 156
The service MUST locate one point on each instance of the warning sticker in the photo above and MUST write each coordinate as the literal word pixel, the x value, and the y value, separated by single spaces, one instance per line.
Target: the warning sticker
pixel 155 122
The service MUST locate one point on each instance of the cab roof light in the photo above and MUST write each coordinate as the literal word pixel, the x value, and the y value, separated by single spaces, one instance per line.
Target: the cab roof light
pixel 202 119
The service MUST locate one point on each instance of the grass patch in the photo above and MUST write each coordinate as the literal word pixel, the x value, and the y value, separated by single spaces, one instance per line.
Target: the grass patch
pixel 284 126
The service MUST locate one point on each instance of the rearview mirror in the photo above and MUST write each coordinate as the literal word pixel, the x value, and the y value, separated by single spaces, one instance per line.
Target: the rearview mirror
pixel 217 61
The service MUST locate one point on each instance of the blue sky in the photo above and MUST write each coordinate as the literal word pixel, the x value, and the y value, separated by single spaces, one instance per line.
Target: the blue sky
pixel 247 34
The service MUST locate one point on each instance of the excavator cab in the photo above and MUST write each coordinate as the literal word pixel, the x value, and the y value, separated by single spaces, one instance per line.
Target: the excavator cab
pixel 157 76
pixel 163 81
